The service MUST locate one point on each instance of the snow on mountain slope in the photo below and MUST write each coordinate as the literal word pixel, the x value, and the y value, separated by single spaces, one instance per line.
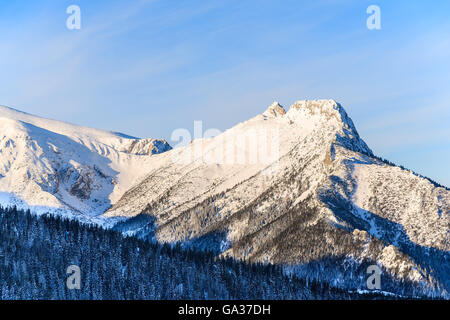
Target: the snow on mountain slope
pixel 297 187
pixel 300 188
pixel 48 165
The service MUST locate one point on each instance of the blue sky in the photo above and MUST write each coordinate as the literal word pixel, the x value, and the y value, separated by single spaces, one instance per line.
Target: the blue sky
pixel 146 68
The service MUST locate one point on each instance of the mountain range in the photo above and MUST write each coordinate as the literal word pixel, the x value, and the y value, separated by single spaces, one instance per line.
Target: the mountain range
pixel 297 188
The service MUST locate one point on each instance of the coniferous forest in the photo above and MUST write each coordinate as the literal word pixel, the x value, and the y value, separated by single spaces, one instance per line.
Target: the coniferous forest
pixel 36 251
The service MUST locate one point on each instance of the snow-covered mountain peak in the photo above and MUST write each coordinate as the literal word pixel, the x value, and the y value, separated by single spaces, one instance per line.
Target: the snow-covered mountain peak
pixel 91 138
pixel 319 109
pixel 53 125
pixel 317 103
pixel 49 165
pixel 323 196
pixel 327 117
pixel 274 110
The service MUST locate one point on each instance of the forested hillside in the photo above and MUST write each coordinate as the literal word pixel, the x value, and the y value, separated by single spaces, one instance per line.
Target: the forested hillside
pixel 35 252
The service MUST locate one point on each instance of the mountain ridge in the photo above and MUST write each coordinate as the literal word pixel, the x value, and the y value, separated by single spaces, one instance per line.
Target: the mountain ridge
pixel 49 165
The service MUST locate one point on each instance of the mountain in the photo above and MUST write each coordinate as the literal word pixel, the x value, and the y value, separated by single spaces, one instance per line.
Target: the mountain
pixel 298 188
pixel 48 165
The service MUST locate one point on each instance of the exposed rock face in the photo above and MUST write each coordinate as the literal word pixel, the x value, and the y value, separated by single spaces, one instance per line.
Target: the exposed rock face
pixel 274 110
pixel 147 146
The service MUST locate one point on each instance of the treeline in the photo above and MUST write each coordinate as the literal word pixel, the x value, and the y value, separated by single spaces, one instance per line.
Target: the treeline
pixel 434 183
pixel 35 252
